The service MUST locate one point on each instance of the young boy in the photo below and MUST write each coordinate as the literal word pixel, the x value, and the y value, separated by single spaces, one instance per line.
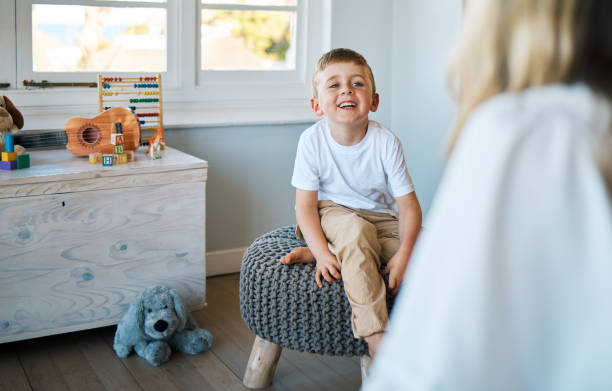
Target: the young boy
pixel 348 173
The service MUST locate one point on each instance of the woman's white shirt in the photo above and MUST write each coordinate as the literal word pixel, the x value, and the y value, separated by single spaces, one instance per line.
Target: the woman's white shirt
pixel 510 286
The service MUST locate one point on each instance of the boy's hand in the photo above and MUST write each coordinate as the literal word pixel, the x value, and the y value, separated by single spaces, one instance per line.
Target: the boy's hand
pixel 329 267
pixel 396 268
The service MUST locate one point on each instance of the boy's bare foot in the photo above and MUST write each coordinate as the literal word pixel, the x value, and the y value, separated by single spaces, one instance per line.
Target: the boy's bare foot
pixel 373 341
pixel 298 255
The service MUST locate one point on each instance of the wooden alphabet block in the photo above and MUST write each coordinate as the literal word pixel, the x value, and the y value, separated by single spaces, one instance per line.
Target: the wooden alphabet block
pixel 121 158
pixel 117 149
pixel 107 160
pixel 95 158
pixel 117 139
pixel 130 156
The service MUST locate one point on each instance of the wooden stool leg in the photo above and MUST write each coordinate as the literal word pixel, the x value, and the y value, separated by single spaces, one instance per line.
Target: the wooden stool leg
pixel 262 364
pixel 365 365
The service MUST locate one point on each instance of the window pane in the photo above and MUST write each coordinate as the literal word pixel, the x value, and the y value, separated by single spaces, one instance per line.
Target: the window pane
pixel 67 38
pixel 251 2
pixel 258 40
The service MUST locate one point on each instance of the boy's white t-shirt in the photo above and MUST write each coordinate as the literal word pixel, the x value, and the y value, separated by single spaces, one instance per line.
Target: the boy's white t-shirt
pixel 367 175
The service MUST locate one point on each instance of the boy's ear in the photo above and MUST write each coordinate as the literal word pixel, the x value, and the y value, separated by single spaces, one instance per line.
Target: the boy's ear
pixel 375 101
pixel 314 103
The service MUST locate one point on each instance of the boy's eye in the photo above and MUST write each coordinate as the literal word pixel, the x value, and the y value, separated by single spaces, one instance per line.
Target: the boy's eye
pixel 335 85
pixel 358 84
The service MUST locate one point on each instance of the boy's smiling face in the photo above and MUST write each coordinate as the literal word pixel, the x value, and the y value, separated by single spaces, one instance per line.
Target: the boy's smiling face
pixel 344 94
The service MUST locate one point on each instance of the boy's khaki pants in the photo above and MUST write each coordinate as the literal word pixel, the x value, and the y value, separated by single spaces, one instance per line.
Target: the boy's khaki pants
pixel 361 239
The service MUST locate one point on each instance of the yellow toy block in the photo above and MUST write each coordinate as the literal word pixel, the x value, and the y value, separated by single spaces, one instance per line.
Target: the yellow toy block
pixel 130 156
pixel 95 158
pixel 121 158
pixel 9 156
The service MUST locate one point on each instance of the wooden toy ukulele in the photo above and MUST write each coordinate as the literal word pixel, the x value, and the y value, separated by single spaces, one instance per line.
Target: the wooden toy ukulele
pixel 87 135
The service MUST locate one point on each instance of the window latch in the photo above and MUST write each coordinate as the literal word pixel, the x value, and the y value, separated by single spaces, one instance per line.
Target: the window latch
pixel 48 84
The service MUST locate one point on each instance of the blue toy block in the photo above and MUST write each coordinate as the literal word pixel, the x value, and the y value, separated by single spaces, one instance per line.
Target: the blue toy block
pixel 107 160
pixel 12 165
pixel 9 143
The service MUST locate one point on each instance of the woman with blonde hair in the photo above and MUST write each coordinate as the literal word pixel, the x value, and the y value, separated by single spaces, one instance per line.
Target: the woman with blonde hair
pixel 510 285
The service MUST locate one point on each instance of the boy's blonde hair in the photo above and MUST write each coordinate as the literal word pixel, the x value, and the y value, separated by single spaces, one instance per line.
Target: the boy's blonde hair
pixel 335 56
pixel 511 45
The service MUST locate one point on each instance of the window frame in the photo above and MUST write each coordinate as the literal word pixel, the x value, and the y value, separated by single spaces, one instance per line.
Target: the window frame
pixel 8 44
pixel 192 98
pixel 24 40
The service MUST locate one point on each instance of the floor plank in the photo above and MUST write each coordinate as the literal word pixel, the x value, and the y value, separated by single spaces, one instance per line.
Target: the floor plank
pixel 223 292
pixel 12 376
pixel 101 357
pixel 39 366
pixel 85 360
pixel 148 377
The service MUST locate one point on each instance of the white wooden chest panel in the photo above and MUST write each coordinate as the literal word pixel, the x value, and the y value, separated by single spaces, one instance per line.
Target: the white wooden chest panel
pixel 78 243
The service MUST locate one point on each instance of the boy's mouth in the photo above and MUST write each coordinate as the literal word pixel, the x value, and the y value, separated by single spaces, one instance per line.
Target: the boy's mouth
pixel 347 105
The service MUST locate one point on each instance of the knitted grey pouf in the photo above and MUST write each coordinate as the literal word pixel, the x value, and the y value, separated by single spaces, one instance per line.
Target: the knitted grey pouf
pixel 283 304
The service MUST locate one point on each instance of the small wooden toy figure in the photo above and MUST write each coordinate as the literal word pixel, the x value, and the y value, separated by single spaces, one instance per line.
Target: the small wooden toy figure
pixel 156 144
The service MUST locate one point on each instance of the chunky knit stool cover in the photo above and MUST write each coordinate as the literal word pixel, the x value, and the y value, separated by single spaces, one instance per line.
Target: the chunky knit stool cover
pixel 283 304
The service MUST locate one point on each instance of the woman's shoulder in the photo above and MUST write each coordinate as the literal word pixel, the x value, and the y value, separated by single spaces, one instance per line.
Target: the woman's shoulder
pixel 533 107
pixel 535 115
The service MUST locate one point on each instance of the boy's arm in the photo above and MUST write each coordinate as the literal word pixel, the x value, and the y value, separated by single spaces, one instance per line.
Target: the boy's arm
pixel 307 214
pixel 410 219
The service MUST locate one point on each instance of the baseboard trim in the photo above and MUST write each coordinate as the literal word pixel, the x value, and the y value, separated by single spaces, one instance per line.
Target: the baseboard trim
pixel 224 261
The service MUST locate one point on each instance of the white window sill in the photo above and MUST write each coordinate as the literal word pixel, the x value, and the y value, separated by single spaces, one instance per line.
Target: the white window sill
pixel 184 115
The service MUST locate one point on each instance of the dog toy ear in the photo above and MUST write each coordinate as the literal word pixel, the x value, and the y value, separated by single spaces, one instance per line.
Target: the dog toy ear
pixel 16 114
pixel 179 308
pixel 136 314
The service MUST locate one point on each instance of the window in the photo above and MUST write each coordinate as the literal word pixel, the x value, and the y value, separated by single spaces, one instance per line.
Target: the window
pixel 75 40
pixel 222 61
pixel 241 35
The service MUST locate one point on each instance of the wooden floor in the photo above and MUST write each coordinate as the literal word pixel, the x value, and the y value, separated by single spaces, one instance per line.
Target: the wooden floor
pixel 86 361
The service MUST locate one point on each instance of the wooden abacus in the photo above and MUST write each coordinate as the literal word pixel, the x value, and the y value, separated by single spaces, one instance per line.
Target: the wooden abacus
pixel 142 95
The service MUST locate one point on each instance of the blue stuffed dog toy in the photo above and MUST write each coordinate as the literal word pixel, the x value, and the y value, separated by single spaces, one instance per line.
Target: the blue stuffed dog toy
pixel 156 322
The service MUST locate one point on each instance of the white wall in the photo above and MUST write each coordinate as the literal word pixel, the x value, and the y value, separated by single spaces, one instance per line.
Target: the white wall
pixel 421 110
pixel 405 42
pixel 366 27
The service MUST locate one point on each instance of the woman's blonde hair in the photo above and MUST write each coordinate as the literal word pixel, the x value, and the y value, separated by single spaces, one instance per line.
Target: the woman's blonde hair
pixel 511 45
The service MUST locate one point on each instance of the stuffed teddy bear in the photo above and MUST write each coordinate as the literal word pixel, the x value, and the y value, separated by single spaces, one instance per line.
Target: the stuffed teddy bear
pixel 11 121
pixel 155 322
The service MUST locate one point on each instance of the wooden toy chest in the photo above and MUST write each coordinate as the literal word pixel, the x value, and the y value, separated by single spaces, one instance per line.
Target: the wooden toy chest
pixel 78 242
